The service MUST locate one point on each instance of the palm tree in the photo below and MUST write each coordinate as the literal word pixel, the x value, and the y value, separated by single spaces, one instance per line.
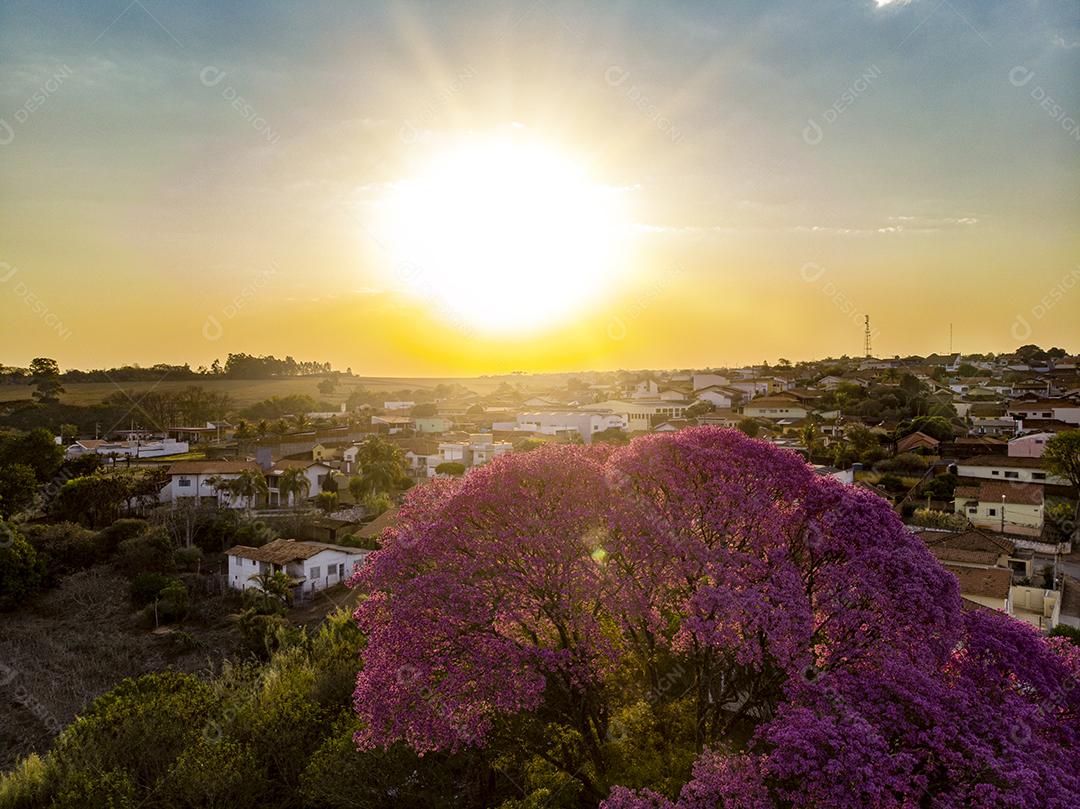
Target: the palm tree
pixel 294 482
pixel 243 430
pixel 249 484
pixel 300 421
pixel 262 429
pixel 274 584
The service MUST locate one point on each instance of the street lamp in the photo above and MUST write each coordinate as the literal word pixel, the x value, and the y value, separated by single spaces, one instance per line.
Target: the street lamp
pixel 1003 514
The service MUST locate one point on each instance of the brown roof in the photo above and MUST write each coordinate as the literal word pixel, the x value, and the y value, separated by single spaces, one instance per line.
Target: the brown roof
pixel 970 540
pixel 993 582
pixel 287 463
pixel 283 551
pixel 959 556
pixel 916 439
pixel 1021 494
pixel 970 492
pixel 375 528
pixel 1002 460
pixel 211 467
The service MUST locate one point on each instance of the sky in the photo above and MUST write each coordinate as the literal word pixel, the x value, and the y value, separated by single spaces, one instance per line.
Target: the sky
pixel 181 181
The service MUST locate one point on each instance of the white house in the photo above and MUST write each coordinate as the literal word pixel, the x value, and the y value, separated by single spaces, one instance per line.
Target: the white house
pixel 399 405
pixel 717 394
pixel 152 448
pixel 769 407
pixel 640 412
pixel 1012 508
pixel 557 422
pixel 1064 410
pixel 315 472
pixel 432 424
pixel 191 481
pixel 1007 468
pixel 312 565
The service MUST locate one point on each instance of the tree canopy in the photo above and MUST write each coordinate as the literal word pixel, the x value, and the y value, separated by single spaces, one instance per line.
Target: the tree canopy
pixel 696 619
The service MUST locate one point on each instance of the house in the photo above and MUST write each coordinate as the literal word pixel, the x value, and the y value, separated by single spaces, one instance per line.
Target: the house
pixel 134 448
pixel 719 395
pixel 1060 409
pixel 721 418
pixel 992 425
pixel 775 407
pixel 315 472
pixel 192 481
pixel 917 442
pixel 1007 467
pixel 584 423
pixel 1032 445
pixel 638 414
pixel 1014 508
pixel 975 548
pixel 399 405
pixel 432 424
pixel 312 565
pixel 391 424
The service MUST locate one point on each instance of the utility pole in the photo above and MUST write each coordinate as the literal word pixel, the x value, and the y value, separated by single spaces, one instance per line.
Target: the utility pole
pixel 950 339
pixel 866 337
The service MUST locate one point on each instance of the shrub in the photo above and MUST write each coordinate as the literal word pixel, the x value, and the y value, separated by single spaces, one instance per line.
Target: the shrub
pixel 67 546
pixel 929 518
pixel 215 773
pixel 145 587
pixel 173 602
pixel 905 462
pixel 108 539
pixel 149 552
pixel 22 569
pixel 189 559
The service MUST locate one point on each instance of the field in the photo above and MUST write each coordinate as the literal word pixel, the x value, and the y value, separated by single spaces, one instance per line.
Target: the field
pixel 245 392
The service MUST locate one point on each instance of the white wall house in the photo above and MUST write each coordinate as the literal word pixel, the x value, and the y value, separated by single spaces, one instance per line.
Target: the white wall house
pixel 315 472
pixel 312 565
pixel 717 395
pixel 1011 508
pixel 400 405
pixel 150 448
pixel 190 481
pixel 432 424
pixel 640 412
pixel 1007 468
pixel 702 381
pixel 556 422
pixel 1064 410
pixel 775 408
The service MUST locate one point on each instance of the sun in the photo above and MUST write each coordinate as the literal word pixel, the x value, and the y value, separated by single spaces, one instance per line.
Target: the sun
pixel 504 233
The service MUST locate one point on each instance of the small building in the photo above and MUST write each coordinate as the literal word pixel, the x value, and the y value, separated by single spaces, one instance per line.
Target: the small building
pixel 1008 467
pixel 1032 445
pixel 917 442
pixel 775 407
pixel 1013 508
pixel 312 565
pixel 193 481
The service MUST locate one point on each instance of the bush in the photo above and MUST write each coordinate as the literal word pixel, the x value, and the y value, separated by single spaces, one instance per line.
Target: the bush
pixel 22 569
pixel 891 483
pixel 145 587
pixel 189 559
pixel 139 728
pixel 929 518
pixel 173 602
pixel 67 546
pixel 108 539
pixel 905 463
pixel 150 552
pixel 219 773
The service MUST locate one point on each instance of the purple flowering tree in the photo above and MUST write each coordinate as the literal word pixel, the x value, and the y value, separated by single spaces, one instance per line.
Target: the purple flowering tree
pixel 697 619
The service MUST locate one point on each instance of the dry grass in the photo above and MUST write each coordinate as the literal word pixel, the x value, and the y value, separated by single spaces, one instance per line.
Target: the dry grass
pixel 245 392
pixel 73 643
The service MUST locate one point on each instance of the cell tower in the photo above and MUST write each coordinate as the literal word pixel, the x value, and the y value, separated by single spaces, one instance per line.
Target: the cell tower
pixel 866 337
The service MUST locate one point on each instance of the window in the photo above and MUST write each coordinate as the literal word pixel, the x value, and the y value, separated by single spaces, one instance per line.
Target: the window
pixel 991 511
pixel 314 572
pixel 1012 474
pixel 185 481
pixel 995 472
pixel 1038 476
pixel 972 510
pixel 341 570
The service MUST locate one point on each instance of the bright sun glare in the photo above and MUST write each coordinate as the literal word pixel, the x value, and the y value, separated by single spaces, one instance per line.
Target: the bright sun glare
pixel 504 234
